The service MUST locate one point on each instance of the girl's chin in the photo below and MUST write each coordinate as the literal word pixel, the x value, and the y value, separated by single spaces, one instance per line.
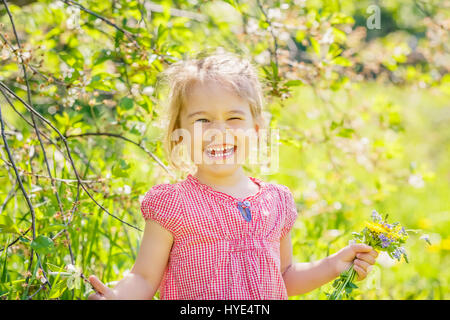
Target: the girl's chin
pixel 219 169
pixel 225 161
pixel 219 164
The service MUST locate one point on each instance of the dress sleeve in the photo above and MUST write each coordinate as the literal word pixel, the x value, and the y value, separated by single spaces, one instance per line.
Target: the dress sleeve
pixel 162 204
pixel 290 211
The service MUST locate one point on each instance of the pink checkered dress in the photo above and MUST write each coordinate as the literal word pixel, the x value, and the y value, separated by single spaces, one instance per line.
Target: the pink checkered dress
pixel 216 253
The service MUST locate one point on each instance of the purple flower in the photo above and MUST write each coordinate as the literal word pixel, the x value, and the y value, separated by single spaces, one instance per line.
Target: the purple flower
pixel 385 241
pixel 426 238
pixel 398 253
pixel 375 216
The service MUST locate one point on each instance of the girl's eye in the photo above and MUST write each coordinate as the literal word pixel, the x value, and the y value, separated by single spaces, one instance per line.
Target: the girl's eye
pixel 202 120
pixel 235 119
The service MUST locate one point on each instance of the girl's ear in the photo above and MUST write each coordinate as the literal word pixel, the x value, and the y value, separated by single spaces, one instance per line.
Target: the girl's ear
pixel 258 124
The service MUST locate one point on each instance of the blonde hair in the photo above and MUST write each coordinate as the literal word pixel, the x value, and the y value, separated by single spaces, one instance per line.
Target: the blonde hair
pixel 227 68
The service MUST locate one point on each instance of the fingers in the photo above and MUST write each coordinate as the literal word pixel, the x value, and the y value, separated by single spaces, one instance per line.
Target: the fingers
pixel 100 287
pixel 360 271
pixel 362 264
pixel 367 257
pixel 97 284
pixel 374 253
pixel 96 296
pixel 362 268
pixel 361 247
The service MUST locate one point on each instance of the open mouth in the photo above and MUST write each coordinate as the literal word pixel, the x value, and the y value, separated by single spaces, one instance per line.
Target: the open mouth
pixel 220 151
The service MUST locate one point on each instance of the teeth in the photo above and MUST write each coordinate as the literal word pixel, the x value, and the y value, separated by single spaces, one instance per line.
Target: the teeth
pixel 220 151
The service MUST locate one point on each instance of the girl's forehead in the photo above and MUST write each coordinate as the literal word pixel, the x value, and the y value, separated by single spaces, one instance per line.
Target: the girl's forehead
pixel 210 90
pixel 209 96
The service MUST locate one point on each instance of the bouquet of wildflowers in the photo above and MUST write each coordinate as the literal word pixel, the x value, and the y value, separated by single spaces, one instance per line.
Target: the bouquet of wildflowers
pixel 381 236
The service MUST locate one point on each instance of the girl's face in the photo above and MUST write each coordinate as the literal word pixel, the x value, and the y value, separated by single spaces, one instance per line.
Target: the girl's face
pixel 220 126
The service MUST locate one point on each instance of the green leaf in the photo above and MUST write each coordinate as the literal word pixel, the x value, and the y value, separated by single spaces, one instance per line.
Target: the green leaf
pixel 395 121
pixel 25 240
pixel 333 51
pixel 147 104
pixel 300 35
pixel 53 227
pixel 96 78
pixel 406 258
pixel 101 57
pixel 126 103
pixel 339 35
pixel 315 45
pixel 346 132
pixel 58 289
pixel 274 70
pixel 263 24
pixel 43 245
pixel 341 61
pixel 5 270
pixel 120 169
pixel 293 83
pixel 334 125
pixel 336 283
pixel 7 225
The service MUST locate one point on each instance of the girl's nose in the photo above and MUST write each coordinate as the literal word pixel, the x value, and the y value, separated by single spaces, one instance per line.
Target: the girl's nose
pixel 225 130
pixel 219 125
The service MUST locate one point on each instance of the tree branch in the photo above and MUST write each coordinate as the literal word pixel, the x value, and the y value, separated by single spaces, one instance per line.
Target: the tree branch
pixel 67 149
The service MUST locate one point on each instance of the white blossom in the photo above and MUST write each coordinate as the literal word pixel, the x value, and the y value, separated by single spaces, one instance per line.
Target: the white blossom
pixel 416 181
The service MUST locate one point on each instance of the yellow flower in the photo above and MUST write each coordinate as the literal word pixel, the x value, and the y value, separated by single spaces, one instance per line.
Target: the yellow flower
pixel 445 244
pixel 376 227
pixel 393 233
pixel 434 248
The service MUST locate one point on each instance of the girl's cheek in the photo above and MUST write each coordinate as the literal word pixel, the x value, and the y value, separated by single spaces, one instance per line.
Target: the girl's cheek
pixel 247 145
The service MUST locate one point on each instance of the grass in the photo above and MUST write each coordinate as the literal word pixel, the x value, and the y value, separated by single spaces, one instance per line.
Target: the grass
pixel 330 199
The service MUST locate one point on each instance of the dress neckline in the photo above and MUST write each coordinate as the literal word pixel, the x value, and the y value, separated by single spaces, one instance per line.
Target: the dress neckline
pixel 194 180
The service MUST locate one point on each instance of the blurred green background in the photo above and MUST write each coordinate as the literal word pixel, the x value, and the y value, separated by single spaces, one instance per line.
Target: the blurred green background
pixel 359 91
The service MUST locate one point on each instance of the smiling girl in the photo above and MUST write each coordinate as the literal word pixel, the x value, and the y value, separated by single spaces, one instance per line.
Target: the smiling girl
pixel 220 234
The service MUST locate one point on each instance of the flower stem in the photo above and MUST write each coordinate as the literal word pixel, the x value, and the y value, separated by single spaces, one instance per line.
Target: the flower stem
pixel 337 293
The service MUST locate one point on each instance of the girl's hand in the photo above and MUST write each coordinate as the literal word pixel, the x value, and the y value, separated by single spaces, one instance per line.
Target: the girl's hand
pixel 103 292
pixel 362 256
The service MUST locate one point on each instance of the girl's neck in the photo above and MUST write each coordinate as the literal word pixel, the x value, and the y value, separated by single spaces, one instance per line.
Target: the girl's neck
pixel 234 179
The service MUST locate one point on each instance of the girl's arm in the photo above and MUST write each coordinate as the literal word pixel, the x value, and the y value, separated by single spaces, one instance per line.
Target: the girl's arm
pixel 301 278
pixel 143 280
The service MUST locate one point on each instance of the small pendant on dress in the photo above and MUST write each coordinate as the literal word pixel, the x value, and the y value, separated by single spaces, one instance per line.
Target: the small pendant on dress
pixel 244 208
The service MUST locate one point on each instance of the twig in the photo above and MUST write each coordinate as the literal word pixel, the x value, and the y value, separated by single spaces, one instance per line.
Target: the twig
pixel 114 135
pixel 67 149
pixel 275 42
pixel 51 178
pixel 128 34
pixel 11 193
pixel 33 215
pixel 175 12
pixel 18 238
pixel 5 141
